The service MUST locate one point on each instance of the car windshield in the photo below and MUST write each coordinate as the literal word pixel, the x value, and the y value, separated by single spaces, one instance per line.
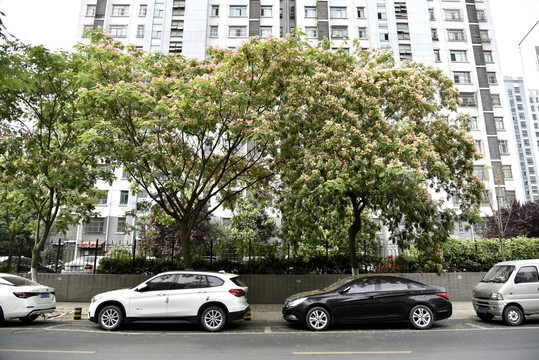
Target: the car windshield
pixel 498 274
pixel 17 281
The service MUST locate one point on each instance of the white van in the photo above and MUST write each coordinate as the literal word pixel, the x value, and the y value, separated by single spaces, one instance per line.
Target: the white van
pixel 510 289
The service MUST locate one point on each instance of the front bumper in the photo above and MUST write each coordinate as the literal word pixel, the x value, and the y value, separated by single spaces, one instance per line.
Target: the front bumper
pixel 484 306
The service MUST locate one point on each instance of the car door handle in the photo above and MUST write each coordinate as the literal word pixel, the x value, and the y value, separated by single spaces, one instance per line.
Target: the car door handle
pixel 202 291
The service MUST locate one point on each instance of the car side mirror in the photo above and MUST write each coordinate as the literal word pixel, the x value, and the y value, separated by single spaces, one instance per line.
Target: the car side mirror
pixel 141 287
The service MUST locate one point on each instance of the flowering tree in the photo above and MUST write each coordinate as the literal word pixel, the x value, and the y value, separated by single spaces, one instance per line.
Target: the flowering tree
pixel 42 157
pixel 190 132
pixel 371 138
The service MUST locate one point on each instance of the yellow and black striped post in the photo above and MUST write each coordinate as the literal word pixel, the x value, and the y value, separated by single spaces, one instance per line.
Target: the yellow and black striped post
pixel 248 316
pixel 77 314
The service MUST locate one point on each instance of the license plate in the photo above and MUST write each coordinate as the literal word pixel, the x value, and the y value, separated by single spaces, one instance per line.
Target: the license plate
pixel 45 295
pixel 481 310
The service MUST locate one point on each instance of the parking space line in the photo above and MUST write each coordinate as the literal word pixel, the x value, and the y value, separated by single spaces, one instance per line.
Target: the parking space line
pixel 476 326
pixel 267 330
pixel 48 351
pixel 401 352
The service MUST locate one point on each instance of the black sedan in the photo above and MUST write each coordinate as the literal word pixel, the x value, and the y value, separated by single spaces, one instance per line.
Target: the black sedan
pixel 369 299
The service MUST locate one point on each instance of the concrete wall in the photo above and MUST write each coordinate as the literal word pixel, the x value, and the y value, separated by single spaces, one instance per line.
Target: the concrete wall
pixel 263 289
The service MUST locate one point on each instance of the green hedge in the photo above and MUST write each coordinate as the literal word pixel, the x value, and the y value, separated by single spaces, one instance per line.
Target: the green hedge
pixel 459 256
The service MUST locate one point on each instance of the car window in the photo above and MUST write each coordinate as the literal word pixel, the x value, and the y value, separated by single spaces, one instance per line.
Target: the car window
pixel 190 281
pixel 393 284
pixel 363 285
pixel 159 283
pixel 214 281
pixel 236 280
pixel 527 274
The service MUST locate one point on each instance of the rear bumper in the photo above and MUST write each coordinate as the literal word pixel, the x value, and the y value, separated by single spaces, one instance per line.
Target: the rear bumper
pixel 238 315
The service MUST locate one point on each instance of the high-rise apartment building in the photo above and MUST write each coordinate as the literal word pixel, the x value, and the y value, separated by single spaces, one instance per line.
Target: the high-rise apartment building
pixel 456 36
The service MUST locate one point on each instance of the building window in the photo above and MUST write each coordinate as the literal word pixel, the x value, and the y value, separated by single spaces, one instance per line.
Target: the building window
pixel 481 15
pixel 120 10
pixel 237 31
pixel 215 10
pixel 175 47
pixel 90 10
pixel 143 10
pixel 437 57
pixel 120 227
pixel 140 31
pixel 95 225
pixel 496 100
pixel 405 52
pixel 384 36
pixel 400 11
pixel 311 32
pixel 458 55
pixel 403 32
pixel 499 123
pixel 124 197
pixel 488 56
pixel 103 200
pixel 484 35
pixel 362 33
pixel 434 34
pixel 265 31
pixel 492 78
pixel 158 13
pixel 361 12
pixel 452 15
pixel 214 31
pixel 504 148
pixel 480 171
pixel 473 123
pixel 156 32
pixel 266 11
pixel 177 28
pixel 455 35
pixel 462 77
pixel 118 30
pixel 432 15
pixel 467 99
pixel 238 11
pixel 337 12
pixel 507 172
pixel 382 15
pixel 339 32
pixel 310 11
pixel 479 146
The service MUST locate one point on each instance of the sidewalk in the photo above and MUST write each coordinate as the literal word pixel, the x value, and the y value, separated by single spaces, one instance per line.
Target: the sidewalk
pixel 259 312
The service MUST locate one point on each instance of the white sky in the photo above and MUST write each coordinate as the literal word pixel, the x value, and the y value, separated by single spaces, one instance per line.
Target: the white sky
pixel 53 24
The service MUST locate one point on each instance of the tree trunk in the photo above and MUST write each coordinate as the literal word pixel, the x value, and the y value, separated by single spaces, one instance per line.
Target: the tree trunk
pixel 186 246
pixel 354 229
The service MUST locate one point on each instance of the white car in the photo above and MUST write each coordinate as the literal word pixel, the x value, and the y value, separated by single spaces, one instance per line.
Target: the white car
pixel 82 264
pixel 208 298
pixel 24 299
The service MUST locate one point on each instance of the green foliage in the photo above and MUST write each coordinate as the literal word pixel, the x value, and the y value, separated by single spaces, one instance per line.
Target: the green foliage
pixel 119 252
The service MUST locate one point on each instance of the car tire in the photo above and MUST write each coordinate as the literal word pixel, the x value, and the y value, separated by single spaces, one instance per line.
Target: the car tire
pixel 28 319
pixel 485 317
pixel 318 319
pixel 1 315
pixel 110 318
pixel 213 319
pixel 421 317
pixel 513 316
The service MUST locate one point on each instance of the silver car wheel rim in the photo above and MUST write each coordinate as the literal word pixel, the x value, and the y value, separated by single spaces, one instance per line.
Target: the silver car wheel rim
pixel 421 317
pixel 213 319
pixel 318 319
pixel 110 318
pixel 513 316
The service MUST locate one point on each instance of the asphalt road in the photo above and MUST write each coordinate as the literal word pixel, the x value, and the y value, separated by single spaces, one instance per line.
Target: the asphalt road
pixel 467 338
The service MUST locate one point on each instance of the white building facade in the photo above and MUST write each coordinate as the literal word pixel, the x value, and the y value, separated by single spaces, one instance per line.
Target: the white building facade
pixel 456 36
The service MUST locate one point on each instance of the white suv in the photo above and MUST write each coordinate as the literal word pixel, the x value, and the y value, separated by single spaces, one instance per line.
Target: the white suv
pixel 211 299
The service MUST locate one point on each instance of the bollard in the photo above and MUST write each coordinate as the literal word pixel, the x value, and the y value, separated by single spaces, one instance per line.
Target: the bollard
pixel 248 316
pixel 77 314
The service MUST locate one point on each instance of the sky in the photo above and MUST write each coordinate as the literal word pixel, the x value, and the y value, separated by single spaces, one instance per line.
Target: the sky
pixel 53 24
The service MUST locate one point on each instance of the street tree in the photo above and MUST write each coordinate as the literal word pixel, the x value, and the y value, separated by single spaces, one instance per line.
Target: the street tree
pixel 187 130
pixel 516 220
pixel 43 158
pixel 364 137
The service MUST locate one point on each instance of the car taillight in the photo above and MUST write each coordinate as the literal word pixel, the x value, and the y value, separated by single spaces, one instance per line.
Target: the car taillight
pixel 443 295
pixel 237 292
pixel 25 295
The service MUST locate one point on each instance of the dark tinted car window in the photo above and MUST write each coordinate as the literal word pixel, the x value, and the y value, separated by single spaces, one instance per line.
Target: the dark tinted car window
pixel 190 281
pixel 238 282
pixel 214 281
pixel 527 274
pixel 363 285
pixel 393 284
pixel 159 283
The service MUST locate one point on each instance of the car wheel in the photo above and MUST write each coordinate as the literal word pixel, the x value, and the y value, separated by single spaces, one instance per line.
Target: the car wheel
pixel 421 317
pixel 318 319
pixel 28 319
pixel 485 317
pixel 213 319
pixel 110 317
pixel 1 316
pixel 512 315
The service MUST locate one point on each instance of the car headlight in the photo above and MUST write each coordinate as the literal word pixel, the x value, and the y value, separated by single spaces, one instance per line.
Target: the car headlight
pixel 96 298
pixel 297 302
pixel 496 296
